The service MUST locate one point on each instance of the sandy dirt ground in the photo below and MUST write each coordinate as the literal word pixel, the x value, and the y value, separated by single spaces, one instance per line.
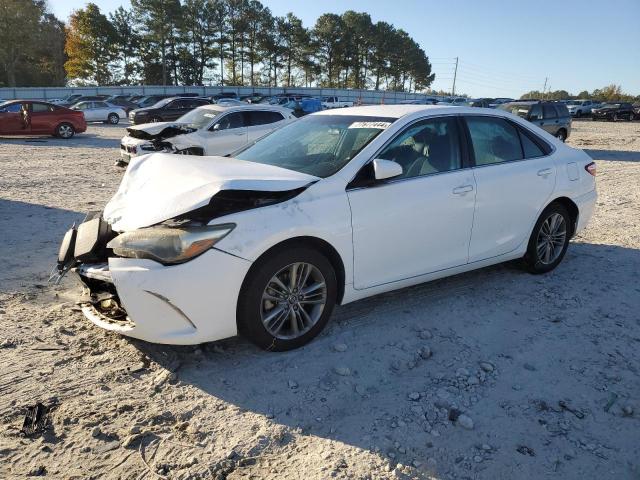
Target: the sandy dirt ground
pixel 541 374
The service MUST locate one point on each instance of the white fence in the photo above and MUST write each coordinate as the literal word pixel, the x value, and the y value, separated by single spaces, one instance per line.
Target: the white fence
pixel 361 96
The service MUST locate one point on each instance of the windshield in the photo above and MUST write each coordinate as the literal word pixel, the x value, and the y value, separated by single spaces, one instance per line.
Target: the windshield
pixel 200 117
pixel 611 105
pixel 318 145
pixel 574 102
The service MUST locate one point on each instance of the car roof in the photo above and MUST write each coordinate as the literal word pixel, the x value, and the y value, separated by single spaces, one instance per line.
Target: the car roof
pixel 248 106
pixel 394 111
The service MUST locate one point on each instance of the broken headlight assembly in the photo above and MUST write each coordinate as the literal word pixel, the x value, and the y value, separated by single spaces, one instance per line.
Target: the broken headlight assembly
pixel 169 245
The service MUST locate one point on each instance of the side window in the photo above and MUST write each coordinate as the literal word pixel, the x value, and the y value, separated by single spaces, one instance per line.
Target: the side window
pixel 494 140
pixel 426 147
pixel 14 108
pixel 40 107
pixel 264 117
pixel 233 120
pixel 549 112
pixel 530 148
pixel 175 105
pixel 562 110
pixel 99 105
pixel 536 112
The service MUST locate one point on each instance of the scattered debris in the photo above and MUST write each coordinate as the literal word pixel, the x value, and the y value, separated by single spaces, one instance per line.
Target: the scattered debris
pixel 612 399
pixel 565 406
pixel 36 420
pixel 524 450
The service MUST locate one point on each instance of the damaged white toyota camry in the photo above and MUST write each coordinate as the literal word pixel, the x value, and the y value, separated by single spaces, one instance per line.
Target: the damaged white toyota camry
pixel 335 207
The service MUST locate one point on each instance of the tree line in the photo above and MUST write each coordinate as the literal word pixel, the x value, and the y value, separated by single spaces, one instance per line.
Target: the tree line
pixel 610 93
pixel 31 44
pixel 239 42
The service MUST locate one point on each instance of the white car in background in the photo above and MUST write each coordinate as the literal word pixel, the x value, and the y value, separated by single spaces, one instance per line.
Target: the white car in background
pixel 206 130
pixel 335 207
pixel 96 111
pixel 580 108
pixel 335 102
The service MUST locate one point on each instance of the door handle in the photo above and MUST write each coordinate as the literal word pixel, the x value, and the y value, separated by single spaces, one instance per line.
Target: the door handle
pixel 544 172
pixel 463 189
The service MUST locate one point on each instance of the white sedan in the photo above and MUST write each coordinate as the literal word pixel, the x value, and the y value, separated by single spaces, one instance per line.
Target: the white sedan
pixel 337 206
pixel 97 111
pixel 207 130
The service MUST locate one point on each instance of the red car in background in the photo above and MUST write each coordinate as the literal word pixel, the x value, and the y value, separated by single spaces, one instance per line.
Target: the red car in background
pixel 28 117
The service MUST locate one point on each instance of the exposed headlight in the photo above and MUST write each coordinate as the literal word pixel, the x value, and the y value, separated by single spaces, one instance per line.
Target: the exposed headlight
pixel 168 245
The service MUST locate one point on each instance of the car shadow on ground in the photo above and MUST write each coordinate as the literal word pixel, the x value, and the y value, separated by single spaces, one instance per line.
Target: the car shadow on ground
pixel 614 155
pixel 362 391
pixel 31 235
pixel 82 140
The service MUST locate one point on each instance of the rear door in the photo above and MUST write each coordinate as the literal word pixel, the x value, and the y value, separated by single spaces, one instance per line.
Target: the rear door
pixel 229 133
pixel 42 118
pixel 262 122
pixel 515 176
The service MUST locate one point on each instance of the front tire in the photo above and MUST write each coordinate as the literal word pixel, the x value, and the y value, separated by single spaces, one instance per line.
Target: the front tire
pixel 287 298
pixel 113 118
pixel 549 240
pixel 561 135
pixel 65 130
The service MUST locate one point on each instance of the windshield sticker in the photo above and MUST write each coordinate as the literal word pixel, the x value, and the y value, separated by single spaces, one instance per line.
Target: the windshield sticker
pixel 210 115
pixel 378 125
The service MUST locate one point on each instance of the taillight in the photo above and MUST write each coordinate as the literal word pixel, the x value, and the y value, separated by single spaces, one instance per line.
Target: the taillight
pixel 591 168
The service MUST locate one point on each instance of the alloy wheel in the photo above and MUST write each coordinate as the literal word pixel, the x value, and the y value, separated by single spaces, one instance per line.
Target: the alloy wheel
pixel 293 300
pixel 65 131
pixel 551 238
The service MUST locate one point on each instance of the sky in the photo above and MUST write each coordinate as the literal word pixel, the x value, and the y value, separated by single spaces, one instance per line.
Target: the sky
pixel 504 47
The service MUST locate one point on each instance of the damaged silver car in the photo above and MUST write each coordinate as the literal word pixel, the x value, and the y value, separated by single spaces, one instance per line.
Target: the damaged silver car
pixel 207 130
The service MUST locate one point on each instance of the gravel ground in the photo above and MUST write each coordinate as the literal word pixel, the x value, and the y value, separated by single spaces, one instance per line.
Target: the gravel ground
pixel 492 374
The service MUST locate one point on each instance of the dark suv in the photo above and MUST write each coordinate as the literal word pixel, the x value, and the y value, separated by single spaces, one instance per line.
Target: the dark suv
pixel 166 110
pixel 553 117
pixel 613 111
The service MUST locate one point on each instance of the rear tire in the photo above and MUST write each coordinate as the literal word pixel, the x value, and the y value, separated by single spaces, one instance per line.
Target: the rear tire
pixel 113 118
pixel 549 240
pixel 276 321
pixel 631 117
pixel 65 130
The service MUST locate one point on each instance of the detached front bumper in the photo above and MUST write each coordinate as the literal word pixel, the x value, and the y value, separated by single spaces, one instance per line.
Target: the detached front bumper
pixel 185 304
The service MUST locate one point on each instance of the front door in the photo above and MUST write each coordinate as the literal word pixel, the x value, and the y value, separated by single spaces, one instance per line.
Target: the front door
pixel 514 179
pixel 12 120
pixel 227 134
pixel 419 222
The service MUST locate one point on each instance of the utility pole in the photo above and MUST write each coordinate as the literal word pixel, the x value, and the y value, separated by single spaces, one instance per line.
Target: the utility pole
pixel 545 86
pixel 455 74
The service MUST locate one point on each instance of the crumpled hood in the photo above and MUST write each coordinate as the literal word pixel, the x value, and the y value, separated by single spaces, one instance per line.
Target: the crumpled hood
pixel 159 130
pixel 160 186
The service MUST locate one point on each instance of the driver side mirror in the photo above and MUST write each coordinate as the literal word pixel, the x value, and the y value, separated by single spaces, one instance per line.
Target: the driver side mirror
pixel 216 127
pixel 383 169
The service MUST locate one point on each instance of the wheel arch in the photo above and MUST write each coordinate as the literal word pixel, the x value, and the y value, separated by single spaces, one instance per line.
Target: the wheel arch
pixel 571 207
pixel 317 243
